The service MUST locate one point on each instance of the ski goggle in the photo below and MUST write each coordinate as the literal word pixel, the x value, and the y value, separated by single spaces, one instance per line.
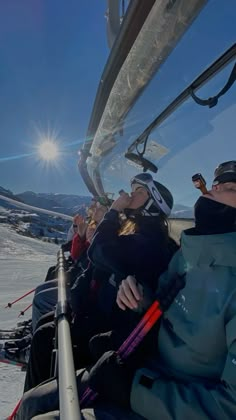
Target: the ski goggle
pixel 225 172
pixel 146 181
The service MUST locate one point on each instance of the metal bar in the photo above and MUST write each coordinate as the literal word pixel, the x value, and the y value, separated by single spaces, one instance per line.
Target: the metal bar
pixel 113 21
pixel 204 77
pixel 164 26
pixel 133 21
pixel 68 394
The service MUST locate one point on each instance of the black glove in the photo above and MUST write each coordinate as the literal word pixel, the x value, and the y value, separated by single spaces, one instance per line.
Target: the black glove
pixel 111 379
pixel 104 342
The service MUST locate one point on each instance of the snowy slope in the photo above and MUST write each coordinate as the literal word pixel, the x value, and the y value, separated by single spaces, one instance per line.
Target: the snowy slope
pixel 34 222
pixel 24 263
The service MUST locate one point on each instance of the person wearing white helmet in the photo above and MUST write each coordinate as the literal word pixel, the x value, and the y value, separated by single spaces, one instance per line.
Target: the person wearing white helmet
pixel 159 200
pixel 148 206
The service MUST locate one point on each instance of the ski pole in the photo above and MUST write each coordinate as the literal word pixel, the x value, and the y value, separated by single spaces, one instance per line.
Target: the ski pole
pixel 155 311
pixel 146 323
pixel 12 415
pixel 138 334
pixel 10 362
pixel 9 305
pixel 24 310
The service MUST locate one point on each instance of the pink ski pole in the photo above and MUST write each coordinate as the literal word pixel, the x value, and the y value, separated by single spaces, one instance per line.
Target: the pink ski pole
pixel 12 415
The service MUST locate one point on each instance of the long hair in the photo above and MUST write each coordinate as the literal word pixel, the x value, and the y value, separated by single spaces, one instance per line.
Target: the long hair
pixel 128 227
pixel 145 224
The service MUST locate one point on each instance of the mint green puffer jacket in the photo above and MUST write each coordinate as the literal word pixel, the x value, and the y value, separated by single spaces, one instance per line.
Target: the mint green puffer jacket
pixel 195 377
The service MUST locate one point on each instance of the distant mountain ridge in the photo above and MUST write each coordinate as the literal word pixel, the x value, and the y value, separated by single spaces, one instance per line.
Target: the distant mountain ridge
pixel 182 212
pixel 62 203
pixel 9 194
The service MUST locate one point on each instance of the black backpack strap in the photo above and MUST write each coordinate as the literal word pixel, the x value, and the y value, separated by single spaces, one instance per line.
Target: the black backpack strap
pixel 211 102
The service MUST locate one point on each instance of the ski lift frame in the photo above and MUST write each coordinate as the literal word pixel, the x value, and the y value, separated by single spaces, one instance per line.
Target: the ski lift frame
pixel 199 82
pixel 170 17
pixel 217 66
pixel 132 23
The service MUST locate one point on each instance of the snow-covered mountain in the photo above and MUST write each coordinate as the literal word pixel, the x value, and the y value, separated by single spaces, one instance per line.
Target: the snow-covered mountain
pixel 61 203
pixel 36 225
pixel 182 212
pixel 9 194
pixel 44 216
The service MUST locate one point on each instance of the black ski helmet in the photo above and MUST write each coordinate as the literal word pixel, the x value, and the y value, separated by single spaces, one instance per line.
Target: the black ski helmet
pixel 225 172
pixel 160 200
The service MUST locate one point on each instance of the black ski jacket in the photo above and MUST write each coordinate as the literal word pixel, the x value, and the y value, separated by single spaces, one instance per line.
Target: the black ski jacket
pixel 145 254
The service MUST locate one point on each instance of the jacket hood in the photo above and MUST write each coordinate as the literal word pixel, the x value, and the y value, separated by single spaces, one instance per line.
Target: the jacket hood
pixel 219 249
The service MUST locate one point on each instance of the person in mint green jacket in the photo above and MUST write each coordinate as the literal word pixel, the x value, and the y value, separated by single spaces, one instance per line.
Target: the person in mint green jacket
pixel 194 374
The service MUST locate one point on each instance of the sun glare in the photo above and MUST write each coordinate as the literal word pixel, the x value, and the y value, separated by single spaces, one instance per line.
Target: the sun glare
pixel 48 150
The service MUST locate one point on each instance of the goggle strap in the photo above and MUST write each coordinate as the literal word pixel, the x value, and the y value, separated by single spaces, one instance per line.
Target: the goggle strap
pixel 150 202
pixel 161 202
pixel 147 213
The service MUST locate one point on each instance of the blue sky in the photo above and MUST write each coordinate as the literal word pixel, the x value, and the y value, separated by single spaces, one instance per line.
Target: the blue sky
pixel 52 54
pixel 197 138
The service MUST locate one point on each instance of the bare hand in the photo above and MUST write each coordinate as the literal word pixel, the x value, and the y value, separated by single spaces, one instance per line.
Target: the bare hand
pixel 129 294
pixel 81 225
pixel 122 202
pixel 89 233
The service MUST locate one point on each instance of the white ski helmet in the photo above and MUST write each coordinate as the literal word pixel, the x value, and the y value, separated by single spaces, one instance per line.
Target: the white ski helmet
pixel 160 200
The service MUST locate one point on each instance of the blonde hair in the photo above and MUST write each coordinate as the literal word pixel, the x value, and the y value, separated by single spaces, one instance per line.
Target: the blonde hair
pixel 128 227
pixel 92 224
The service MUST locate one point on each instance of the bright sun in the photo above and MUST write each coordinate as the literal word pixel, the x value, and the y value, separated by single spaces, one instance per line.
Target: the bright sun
pixel 48 150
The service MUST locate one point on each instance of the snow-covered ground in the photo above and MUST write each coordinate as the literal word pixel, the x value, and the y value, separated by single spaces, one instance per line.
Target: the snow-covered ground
pixel 24 262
